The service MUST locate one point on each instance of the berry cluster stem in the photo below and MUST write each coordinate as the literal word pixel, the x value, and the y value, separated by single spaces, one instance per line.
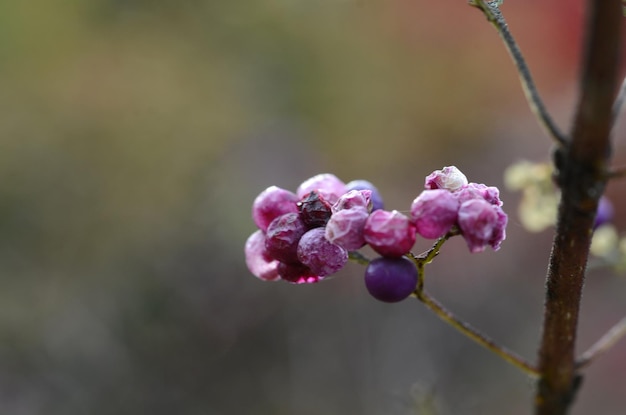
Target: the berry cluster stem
pixel 460 325
pixel 492 12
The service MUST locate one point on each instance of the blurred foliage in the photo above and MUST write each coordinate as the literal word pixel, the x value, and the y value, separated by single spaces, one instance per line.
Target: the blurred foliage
pixel 135 134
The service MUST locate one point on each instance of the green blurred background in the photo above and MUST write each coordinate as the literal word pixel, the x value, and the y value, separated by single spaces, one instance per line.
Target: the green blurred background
pixel 134 136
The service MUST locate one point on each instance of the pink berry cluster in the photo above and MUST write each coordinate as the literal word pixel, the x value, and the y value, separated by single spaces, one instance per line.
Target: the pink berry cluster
pixel 306 236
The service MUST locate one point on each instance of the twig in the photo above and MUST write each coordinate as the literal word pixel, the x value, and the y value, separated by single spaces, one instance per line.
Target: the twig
pixel 447 316
pixel 476 335
pixel 494 16
pixel 603 344
pixel 619 101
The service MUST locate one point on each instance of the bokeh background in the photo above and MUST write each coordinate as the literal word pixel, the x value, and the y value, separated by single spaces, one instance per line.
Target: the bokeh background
pixel 134 136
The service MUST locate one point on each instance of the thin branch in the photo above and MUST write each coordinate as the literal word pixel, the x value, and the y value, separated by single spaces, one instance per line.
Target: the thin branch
pixel 494 16
pixel 476 335
pixel 603 344
pixel 619 101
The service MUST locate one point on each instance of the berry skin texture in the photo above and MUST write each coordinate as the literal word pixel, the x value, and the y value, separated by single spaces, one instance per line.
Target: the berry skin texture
pixel 314 210
pixel 326 184
pixel 259 262
pixel 354 199
pixel 390 234
pixel 345 228
pixel 434 212
pixel 282 237
pixel 297 273
pixel 390 279
pixel 376 198
pixel 449 178
pixel 482 224
pixel 272 203
pixel 319 254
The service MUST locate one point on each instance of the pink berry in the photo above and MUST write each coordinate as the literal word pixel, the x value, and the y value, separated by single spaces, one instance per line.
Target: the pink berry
pixel 434 212
pixel 345 228
pixel 352 199
pixel 389 233
pixel 272 203
pixel 259 262
pixel 319 254
pixel 482 224
pixel 376 198
pixel 479 191
pixel 328 185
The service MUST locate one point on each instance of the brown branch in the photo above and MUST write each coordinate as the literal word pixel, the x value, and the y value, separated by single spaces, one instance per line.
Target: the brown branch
pixel 582 171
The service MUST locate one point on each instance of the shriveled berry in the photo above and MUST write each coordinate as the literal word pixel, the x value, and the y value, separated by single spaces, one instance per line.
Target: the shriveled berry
pixel 326 184
pixel 319 254
pixel 449 178
pixel 389 233
pixel 376 198
pixel 259 262
pixel 282 237
pixel 345 228
pixel 390 279
pixel 314 209
pixel 272 203
pixel 434 212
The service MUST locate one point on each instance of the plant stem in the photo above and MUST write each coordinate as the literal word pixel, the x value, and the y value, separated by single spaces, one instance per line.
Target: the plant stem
pixel 619 101
pixel 475 335
pixel 581 175
pixel 492 12
pixel 603 344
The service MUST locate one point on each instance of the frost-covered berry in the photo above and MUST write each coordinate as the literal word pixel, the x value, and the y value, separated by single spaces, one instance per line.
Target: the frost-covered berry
pixel 259 262
pixel 282 237
pixel 479 191
pixel 272 203
pixel 449 178
pixel 434 212
pixel 605 212
pixel 389 233
pixel 390 279
pixel 314 209
pixel 353 199
pixel 319 254
pixel 482 224
pixel 376 198
pixel 345 228
pixel 297 273
pixel 328 185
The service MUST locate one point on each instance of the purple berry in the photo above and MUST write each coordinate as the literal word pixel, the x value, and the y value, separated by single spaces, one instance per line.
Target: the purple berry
pixel 282 237
pixel 319 254
pixel 377 200
pixel 345 228
pixel 434 212
pixel 390 279
pixel 272 203
pixel 449 178
pixel 482 224
pixel 259 262
pixel 605 212
pixel 297 273
pixel 354 199
pixel 389 233
pixel 314 210
pixel 328 185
